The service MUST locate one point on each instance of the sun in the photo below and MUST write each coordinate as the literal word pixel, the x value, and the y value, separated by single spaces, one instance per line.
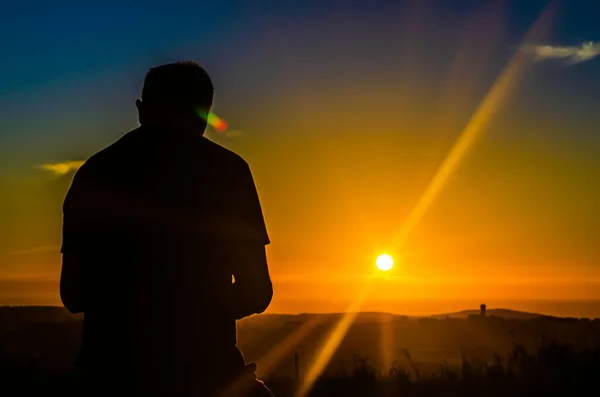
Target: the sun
pixel 384 262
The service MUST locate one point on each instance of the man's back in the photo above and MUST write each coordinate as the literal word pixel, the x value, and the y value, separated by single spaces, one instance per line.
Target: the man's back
pixel 166 223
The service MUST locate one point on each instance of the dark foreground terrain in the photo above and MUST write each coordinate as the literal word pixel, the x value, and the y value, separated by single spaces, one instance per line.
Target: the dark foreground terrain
pixel 503 354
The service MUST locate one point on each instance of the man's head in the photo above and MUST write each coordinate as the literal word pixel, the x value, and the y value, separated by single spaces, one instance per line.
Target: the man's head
pixel 176 96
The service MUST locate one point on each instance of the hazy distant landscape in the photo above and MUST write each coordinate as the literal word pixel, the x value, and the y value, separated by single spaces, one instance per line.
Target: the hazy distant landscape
pixel 427 307
pixel 45 340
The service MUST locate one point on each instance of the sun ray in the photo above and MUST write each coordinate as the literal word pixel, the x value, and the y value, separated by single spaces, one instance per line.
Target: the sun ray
pixel 492 102
pixel 333 341
pixel 387 343
pixel 281 350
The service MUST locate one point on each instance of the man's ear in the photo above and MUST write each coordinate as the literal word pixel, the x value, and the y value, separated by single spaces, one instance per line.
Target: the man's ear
pixel 140 107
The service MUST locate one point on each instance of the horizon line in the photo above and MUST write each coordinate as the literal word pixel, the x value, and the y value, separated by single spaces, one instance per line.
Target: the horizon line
pixel 488 310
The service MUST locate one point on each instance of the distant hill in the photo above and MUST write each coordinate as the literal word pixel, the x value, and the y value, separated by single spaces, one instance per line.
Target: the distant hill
pixel 382 316
pixel 30 315
pixel 49 338
pixel 24 315
pixel 503 313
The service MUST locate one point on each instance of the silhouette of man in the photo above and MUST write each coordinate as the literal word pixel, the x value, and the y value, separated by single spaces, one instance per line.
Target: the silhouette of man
pixel 156 227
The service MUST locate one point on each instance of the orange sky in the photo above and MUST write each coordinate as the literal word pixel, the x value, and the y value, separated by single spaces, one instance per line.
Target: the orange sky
pixel 341 157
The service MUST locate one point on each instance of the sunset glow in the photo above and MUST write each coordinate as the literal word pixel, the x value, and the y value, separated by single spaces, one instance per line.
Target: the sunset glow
pixel 460 143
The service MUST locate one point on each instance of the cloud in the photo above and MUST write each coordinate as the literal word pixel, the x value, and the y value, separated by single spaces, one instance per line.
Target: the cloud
pixel 574 54
pixel 29 276
pixel 43 248
pixel 61 168
pixel 233 133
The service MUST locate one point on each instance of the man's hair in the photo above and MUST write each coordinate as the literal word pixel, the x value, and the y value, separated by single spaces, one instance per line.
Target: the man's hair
pixel 180 84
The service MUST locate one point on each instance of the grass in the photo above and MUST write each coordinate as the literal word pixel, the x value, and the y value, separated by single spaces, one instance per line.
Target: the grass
pixel 554 369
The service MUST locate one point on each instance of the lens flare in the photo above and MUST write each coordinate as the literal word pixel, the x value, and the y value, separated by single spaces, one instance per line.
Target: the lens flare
pixel 213 120
pixel 216 122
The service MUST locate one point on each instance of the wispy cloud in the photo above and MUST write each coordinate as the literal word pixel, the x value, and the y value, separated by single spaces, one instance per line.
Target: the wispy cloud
pixel 61 168
pixel 43 248
pixel 574 54
pixel 30 276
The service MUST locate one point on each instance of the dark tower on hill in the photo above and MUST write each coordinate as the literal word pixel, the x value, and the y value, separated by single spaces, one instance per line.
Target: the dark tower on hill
pixel 482 309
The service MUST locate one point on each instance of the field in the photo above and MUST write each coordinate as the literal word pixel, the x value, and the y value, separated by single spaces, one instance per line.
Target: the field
pixel 504 353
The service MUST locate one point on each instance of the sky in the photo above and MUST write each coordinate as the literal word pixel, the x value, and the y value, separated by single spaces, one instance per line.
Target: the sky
pixel 459 137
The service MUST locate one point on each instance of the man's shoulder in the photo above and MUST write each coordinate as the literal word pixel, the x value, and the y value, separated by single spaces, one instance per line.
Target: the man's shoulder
pixel 222 154
pixel 106 159
pixel 122 147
